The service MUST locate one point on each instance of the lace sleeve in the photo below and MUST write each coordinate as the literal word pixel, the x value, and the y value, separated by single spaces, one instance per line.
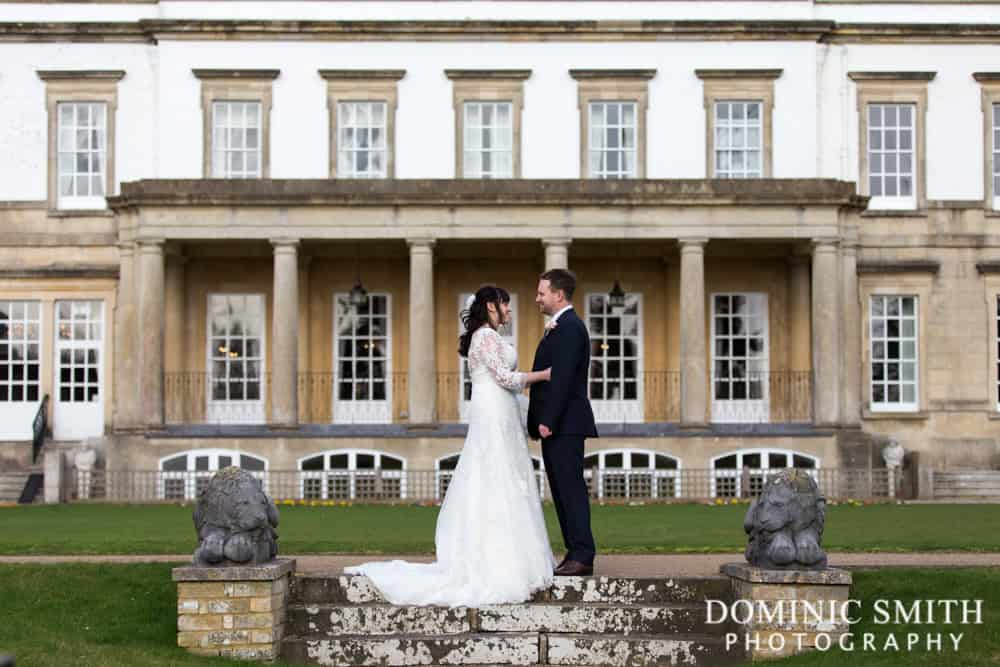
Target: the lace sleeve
pixel 488 352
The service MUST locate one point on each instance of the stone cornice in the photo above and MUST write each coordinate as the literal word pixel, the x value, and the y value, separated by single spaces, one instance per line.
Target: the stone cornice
pixel 81 74
pixel 362 74
pixel 59 271
pixel 737 73
pixel 151 30
pixel 236 73
pixel 901 266
pixel 891 76
pixel 988 267
pixel 488 74
pixel 488 192
pixel 589 74
pixel 986 77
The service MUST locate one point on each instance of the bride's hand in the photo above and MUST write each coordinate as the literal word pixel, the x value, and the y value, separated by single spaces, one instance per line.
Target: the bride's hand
pixel 547 374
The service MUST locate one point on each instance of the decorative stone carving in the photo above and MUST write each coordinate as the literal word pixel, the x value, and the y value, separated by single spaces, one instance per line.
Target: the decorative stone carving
pixel 235 521
pixel 84 460
pixel 893 454
pixel 785 524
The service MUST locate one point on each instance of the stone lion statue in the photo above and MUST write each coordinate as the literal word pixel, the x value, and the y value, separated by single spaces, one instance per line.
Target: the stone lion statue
pixel 235 521
pixel 785 524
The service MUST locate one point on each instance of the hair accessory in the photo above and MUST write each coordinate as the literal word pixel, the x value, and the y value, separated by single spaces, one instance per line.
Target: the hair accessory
pixel 471 300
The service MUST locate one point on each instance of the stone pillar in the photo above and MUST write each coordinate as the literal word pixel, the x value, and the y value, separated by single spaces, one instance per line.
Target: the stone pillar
pixel 54 469
pixel 770 591
pixel 285 335
pixel 126 331
pixel 799 314
pixel 423 360
pixel 693 336
pixel 826 316
pixel 150 332
pixel 851 368
pixel 556 253
pixel 236 612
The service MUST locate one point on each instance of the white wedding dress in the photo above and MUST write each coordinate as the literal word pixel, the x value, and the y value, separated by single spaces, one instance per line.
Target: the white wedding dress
pixel 492 545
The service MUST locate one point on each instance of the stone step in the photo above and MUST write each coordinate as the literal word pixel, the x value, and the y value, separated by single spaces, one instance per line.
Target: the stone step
pixel 601 618
pixel 354 589
pixel 577 650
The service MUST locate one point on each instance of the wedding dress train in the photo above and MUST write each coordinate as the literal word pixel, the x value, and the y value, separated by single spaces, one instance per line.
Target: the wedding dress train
pixel 491 541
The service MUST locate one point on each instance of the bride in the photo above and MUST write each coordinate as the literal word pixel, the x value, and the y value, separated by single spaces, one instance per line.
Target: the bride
pixel 492 545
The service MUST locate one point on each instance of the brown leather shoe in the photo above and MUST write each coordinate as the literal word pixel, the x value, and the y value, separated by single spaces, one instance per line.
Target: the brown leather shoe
pixel 572 568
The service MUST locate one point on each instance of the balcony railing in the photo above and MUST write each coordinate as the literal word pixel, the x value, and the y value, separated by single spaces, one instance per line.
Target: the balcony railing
pixel 388 486
pixel 654 396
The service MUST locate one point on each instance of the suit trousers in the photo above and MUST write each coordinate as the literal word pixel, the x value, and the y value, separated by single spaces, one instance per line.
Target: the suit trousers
pixel 563 457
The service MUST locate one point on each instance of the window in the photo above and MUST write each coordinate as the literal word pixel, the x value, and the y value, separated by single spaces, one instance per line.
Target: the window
pixel 738 105
pixel 893 339
pixel 81 107
pixel 20 337
pixel 445 466
pixel 891 154
pixel 362 360
pixel 236 139
pixel 361 146
pixel 508 333
pixel 184 476
pixel 353 474
pixel 740 358
pixel 738 140
pixel 612 107
pixel 488 141
pixel 236 110
pixel 236 358
pixel 79 326
pixel 892 107
pixel 362 111
pixel 989 83
pixel 743 473
pixel 615 358
pixel 995 152
pixel 632 473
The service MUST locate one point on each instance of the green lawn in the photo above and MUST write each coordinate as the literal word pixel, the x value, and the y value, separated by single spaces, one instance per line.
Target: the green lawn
pixel 154 529
pixel 125 615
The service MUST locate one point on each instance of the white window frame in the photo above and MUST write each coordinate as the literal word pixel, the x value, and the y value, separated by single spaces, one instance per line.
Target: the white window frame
pixel 223 148
pixel 900 406
pixel 501 138
pixel 347 151
pixel 238 411
pixel 444 476
pixel 352 473
pixel 191 475
pixel 726 130
pixel 741 411
pixel 598 168
pixel 628 471
pixel 17 417
pixel 68 154
pixel 758 475
pixel 464 379
pixel 892 202
pixel 362 411
pixel 995 152
pixel 620 410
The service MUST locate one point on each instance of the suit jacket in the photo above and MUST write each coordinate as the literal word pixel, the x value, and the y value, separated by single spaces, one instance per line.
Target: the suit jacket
pixel 562 403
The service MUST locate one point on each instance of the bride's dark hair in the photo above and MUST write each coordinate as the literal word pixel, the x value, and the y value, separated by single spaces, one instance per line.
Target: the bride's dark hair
pixel 477 315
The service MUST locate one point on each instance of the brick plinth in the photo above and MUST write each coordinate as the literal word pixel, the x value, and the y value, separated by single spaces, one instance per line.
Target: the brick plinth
pixel 236 612
pixel 789 611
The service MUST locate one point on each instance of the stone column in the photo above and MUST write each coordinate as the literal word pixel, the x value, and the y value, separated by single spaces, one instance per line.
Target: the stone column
pixel 851 369
pixel 150 332
pixel 127 335
pixel 556 253
pixel 693 341
pixel 423 364
pixel 826 315
pixel 285 335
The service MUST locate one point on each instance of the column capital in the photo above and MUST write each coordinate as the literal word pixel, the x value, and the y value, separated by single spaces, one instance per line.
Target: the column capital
pixel 828 244
pixel 284 244
pixel 126 247
pixel 418 245
pixel 150 246
pixel 563 242
pixel 690 244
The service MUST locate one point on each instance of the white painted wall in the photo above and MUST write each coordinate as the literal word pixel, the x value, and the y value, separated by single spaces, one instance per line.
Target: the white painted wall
pixel 815 118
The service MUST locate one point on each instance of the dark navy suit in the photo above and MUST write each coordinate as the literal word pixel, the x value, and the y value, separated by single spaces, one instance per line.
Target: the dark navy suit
pixel 562 405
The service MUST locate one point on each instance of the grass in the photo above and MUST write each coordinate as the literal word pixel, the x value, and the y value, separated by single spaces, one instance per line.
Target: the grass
pixel 125 615
pixel 407 529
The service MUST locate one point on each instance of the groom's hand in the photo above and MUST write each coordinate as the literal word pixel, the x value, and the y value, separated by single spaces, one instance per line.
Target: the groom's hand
pixel 544 431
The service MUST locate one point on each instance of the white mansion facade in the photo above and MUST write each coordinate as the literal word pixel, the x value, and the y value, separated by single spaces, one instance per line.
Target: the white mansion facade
pixel 242 232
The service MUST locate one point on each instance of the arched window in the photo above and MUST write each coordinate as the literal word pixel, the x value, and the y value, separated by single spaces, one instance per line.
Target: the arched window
pixel 743 473
pixel 445 466
pixel 183 476
pixel 352 474
pixel 632 473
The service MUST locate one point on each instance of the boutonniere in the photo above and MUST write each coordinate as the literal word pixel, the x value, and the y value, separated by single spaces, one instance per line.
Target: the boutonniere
pixel 550 325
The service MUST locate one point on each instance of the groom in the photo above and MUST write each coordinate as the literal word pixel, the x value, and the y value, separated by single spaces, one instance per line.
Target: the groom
pixel 559 413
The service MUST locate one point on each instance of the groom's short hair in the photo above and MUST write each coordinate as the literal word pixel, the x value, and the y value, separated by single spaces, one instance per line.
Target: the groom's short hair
pixel 561 279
